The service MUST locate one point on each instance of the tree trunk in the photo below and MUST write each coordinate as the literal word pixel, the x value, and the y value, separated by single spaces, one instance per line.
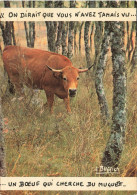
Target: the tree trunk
pixel 49 4
pixel 98 41
pixel 70 40
pixel 99 26
pixel 128 40
pixel 71 33
pixel 13 33
pixel 86 40
pixel 134 59
pixel 31 34
pixel 59 4
pixel 117 137
pixel 6 39
pixel 2 148
pixel 7 29
pixel 32 27
pixel 59 36
pixel 51 30
pixel 75 37
pixel 26 32
pixel 51 35
pixel 29 27
pixel 80 31
pixel 8 35
pixel 90 4
pixel 0 50
pixel 100 73
pixel 92 33
pixel 132 41
pixel 64 38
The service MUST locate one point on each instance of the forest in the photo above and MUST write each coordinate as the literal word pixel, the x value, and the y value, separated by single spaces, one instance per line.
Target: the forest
pixel 101 130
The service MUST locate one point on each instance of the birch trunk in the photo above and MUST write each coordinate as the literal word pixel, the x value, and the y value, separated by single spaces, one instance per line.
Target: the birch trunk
pixel 64 38
pixel 90 4
pixel 98 41
pixel 75 37
pixel 59 4
pixel 59 36
pixel 71 33
pixel 100 73
pixel 115 143
pixel 86 40
pixel 70 40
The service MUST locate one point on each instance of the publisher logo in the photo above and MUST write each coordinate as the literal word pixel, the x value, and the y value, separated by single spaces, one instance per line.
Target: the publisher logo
pixel 106 170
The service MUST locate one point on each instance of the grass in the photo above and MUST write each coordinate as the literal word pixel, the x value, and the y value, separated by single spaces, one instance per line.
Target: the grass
pixel 40 144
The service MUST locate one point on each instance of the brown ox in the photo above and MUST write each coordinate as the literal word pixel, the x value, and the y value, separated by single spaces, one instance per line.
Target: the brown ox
pixel 42 70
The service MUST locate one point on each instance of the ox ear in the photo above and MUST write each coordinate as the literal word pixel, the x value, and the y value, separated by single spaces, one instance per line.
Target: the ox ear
pixel 56 73
pixel 54 70
pixel 85 70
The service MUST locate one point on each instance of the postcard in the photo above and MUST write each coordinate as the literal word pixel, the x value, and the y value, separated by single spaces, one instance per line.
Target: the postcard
pixel 68 88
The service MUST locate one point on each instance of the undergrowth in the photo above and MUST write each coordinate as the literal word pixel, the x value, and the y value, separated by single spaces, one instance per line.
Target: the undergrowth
pixel 40 144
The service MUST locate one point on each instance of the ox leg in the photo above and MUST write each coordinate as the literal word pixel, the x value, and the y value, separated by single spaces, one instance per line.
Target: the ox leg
pixel 11 87
pixel 50 101
pixel 19 89
pixel 17 84
pixel 67 104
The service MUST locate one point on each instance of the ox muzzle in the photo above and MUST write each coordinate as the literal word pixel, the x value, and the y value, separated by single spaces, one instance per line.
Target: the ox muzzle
pixel 72 92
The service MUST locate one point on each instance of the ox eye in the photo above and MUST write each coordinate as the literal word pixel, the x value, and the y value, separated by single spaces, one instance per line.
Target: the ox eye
pixel 64 78
pixel 78 78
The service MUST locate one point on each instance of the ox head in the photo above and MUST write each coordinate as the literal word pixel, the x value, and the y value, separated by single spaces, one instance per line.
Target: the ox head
pixel 70 77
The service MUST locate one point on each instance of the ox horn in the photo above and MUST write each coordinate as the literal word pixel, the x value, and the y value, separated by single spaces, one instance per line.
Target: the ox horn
pixel 85 70
pixel 54 70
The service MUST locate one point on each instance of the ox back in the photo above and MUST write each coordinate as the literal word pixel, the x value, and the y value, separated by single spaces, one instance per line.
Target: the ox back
pixel 27 66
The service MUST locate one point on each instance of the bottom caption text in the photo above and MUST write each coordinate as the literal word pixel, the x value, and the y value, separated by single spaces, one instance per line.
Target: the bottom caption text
pixel 68 183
